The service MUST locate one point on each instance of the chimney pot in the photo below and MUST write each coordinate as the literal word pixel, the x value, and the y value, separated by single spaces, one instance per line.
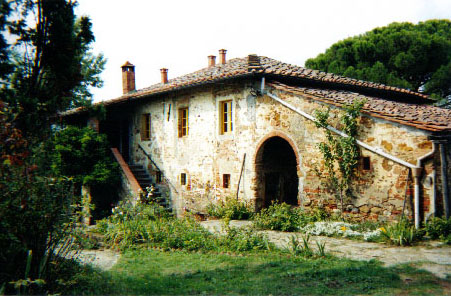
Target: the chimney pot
pixel 128 77
pixel 211 61
pixel 164 75
pixel 222 56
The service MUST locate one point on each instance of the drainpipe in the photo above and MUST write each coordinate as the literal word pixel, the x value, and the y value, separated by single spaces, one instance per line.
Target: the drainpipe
pixel 444 166
pixel 434 190
pixel 416 172
pixel 416 169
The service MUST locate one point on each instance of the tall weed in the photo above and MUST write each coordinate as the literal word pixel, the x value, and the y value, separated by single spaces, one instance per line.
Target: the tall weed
pixel 401 233
pixel 128 229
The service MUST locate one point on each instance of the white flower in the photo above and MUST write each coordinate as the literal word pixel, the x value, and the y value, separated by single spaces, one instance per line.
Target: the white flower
pixel 338 229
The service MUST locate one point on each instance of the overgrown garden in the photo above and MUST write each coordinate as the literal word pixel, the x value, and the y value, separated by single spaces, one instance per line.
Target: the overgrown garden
pixel 46 68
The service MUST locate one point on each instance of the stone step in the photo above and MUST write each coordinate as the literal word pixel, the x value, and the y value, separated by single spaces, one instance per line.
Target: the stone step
pixel 145 180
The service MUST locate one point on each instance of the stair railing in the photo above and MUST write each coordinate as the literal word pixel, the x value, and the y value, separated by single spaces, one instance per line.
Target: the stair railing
pixel 153 162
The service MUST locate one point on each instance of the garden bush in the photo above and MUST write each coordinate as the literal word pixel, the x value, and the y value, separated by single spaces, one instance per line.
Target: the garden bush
pixel 279 217
pixel 439 228
pixel 243 239
pixel 231 209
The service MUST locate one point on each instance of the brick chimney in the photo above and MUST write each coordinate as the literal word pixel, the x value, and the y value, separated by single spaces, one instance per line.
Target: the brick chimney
pixel 128 77
pixel 211 61
pixel 222 56
pixel 164 75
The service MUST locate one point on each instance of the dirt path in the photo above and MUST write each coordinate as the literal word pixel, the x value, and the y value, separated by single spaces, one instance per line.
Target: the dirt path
pixel 433 258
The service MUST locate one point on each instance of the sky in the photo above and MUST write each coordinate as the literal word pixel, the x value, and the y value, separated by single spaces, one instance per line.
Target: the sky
pixel 180 34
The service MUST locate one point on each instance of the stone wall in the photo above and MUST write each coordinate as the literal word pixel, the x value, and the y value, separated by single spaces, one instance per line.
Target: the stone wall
pixel 205 155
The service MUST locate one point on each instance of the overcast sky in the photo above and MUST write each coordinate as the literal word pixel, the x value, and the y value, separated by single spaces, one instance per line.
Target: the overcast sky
pixel 180 34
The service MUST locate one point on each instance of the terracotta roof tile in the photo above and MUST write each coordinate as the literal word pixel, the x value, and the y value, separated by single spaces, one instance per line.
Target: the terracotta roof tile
pixel 262 65
pixel 249 65
pixel 425 117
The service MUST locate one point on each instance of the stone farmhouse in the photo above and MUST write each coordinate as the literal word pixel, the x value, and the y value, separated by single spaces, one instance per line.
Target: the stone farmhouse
pixel 244 128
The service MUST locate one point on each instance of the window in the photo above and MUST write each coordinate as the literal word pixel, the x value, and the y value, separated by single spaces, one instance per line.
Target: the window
pixel 226 117
pixel 183 122
pixel 158 177
pixel 145 127
pixel 225 180
pixel 182 179
pixel 366 163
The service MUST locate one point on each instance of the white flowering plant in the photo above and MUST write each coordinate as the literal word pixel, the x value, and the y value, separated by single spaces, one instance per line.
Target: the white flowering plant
pixel 341 229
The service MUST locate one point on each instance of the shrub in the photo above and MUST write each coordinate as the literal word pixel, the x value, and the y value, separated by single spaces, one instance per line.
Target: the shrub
pixel 243 239
pixel 401 233
pixel 231 209
pixel 279 217
pixel 439 228
pixel 132 225
pixel 83 155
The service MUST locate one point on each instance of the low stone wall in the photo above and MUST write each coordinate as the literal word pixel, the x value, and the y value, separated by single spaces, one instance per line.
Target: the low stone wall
pixel 130 186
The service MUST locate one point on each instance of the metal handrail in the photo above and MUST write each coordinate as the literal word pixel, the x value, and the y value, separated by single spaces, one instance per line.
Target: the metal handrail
pixel 153 162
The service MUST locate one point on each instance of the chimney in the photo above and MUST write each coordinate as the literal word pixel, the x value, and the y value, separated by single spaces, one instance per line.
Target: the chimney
pixel 128 77
pixel 164 75
pixel 211 61
pixel 222 56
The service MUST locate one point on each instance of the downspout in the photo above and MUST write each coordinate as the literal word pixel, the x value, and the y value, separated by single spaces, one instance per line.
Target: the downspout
pixel 416 169
pixel 444 166
pixel 434 191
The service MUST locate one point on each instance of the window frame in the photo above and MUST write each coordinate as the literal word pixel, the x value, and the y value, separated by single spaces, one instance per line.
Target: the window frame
pixel 183 126
pixel 226 116
pixel 146 127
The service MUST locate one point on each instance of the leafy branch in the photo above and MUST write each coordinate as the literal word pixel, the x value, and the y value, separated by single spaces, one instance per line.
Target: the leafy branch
pixel 340 154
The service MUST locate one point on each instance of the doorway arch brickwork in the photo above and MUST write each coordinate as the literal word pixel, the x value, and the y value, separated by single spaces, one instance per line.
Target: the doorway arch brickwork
pixel 277 169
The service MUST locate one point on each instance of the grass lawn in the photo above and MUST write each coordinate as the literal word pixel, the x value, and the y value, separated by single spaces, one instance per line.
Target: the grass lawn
pixel 178 272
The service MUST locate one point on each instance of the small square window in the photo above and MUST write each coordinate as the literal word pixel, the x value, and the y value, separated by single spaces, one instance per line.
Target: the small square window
pixel 225 180
pixel 183 179
pixel 366 163
pixel 158 177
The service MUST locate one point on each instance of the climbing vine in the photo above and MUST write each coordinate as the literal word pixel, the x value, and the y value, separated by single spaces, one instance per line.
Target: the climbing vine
pixel 340 153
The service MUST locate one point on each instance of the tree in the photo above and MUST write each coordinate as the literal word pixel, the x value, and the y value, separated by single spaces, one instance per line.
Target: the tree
pixel 417 57
pixel 53 68
pixel 47 69
pixel 82 155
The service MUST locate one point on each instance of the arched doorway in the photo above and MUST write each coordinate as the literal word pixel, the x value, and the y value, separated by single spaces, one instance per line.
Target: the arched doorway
pixel 276 169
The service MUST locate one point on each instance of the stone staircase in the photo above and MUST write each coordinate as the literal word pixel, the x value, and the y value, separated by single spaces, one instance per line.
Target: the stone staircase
pixel 145 181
